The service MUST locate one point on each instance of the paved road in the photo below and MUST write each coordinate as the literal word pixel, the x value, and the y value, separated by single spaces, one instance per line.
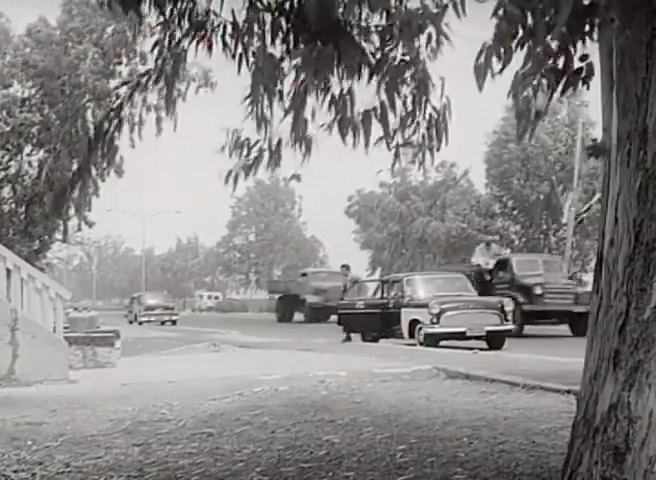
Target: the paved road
pixel 261 331
pixel 545 355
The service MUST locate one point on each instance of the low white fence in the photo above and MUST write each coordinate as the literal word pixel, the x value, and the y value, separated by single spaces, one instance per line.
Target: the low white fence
pixel 32 292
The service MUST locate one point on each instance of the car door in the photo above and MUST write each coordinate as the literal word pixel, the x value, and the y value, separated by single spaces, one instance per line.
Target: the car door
pixel 391 312
pixel 502 278
pixel 360 309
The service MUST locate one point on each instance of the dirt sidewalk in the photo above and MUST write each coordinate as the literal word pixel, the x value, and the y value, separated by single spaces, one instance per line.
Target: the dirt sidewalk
pixel 360 425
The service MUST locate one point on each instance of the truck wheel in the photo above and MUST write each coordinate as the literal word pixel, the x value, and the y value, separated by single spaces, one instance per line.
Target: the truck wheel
pixel 318 315
pixel 309 314
pixel 284 312
pixel 495 342
pixel 315 315
pixel 370 337
pixel 579 326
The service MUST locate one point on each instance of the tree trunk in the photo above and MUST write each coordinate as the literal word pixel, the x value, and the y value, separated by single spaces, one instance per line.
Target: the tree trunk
pixel 614 432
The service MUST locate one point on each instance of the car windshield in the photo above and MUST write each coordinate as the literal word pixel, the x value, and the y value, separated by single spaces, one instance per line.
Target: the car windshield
pixel 429 285
pixel 157 297
pixel 363 289
pixel 538 265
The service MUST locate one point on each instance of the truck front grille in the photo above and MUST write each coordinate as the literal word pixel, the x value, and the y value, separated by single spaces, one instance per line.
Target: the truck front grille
pixel 559 296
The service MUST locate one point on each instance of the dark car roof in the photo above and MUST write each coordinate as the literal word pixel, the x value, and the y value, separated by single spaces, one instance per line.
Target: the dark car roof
pixel 400 276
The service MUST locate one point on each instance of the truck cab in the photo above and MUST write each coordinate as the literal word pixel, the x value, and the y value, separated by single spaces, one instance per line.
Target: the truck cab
pixel 541 290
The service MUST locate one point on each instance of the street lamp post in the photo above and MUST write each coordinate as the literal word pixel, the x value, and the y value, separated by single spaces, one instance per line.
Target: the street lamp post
pixel 144 224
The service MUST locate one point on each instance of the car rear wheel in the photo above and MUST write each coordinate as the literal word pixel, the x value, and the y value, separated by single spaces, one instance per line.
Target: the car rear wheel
pixel 420 338
pixel 174 323
pixel 137 320
pixel 320 315
pixel 495 342
pixel 310 315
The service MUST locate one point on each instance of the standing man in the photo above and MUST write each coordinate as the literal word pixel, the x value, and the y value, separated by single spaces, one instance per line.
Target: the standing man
pixel 486 254
pixel 349 280
pixel 484 257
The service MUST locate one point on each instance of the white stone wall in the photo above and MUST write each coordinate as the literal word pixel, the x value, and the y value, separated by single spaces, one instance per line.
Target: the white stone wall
pixel 32 292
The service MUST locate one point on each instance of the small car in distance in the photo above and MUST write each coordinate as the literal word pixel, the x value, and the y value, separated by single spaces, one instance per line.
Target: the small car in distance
pixel 152 307
pixel 427 307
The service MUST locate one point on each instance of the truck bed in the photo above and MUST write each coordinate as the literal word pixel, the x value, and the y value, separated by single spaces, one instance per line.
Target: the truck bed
pixel 283 287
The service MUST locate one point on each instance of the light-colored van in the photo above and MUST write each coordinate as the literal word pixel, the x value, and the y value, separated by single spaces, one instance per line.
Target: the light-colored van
pixel 207 301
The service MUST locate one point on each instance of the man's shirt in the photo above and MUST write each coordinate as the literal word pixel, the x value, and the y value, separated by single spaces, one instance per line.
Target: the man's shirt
pixel 484 255
pixel 349 281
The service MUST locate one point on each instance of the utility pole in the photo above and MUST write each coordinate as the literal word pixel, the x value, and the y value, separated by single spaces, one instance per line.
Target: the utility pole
pixel 571 214
pixel 144 269
pixel 143 219
pixel 94 273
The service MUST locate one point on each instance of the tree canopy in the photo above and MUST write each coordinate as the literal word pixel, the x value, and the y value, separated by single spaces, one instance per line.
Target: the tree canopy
pixel 105 266
pixel 417 222
pixel 529 182
pixel 311 61
pixel 115 268
pixel 59 88
pixel 266 236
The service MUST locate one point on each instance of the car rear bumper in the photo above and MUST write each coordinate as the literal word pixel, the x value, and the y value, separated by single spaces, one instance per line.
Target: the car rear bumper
pixel 463 333
pixel 159 317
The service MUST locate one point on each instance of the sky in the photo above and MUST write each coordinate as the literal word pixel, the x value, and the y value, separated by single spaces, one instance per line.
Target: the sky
pixel 183 170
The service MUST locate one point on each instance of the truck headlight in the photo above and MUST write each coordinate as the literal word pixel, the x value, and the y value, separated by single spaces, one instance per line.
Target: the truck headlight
pixel 434 307
pixel 508 308
pixel 537 289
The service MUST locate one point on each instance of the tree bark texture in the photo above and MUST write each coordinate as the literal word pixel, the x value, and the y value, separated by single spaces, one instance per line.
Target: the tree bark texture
pixel 614 432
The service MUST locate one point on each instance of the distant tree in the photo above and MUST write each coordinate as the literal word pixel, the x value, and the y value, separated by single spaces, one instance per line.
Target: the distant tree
pixel 266 236
pixel 105 266
pixel 187 266
pixel 419 221
pixel 58 84
pixel 529 182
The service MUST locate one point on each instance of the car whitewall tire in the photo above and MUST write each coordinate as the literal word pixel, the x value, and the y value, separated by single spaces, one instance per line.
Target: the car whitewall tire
pixel 420 337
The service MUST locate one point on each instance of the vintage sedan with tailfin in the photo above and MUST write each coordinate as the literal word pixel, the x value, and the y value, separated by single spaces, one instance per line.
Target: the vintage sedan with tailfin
pixel 427 307
pixel 152 307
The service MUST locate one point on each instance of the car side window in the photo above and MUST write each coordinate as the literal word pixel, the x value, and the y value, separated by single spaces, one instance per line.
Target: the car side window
pixel 502 269
pixel 363 290
pixel 395 289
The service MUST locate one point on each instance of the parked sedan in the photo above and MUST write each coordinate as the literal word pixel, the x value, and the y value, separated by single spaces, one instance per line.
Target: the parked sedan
pixel 151 307
pixel 427 307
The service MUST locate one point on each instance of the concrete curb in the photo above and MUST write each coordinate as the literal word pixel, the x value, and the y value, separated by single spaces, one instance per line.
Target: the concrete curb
pixel 477 376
